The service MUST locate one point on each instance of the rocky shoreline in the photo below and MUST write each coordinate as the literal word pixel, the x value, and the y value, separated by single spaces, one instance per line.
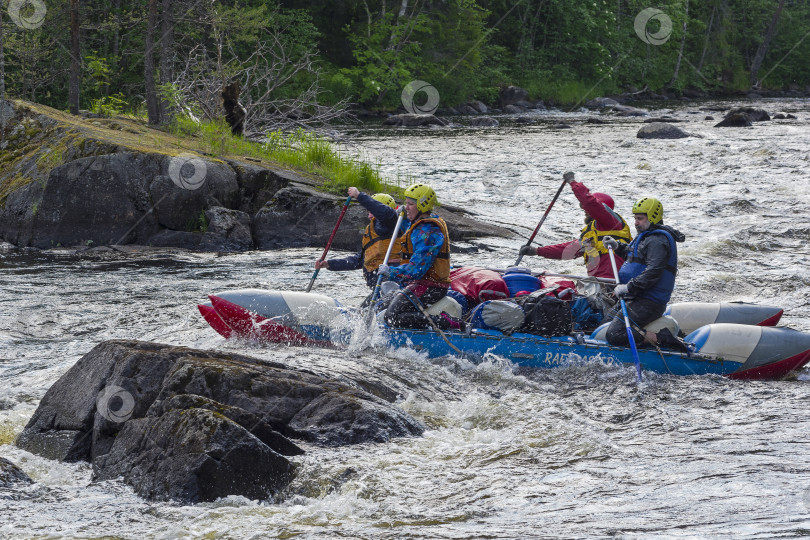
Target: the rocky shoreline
pixel 192 425
pixel 67 181
pixel 515 100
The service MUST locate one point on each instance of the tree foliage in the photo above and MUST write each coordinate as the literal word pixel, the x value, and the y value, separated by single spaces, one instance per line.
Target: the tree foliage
pixel 368 50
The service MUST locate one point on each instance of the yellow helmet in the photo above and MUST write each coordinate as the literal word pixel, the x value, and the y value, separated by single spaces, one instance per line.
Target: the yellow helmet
pixel 424 196
pixel 652 207
pixel 386 199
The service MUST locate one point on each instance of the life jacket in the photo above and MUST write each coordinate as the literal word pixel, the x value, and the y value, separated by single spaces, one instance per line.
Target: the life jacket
pixel 439 272
pixel 591 236
pixel 633 266
pixel 374 247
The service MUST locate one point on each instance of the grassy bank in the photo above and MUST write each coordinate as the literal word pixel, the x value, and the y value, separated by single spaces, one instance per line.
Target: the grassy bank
pixel 36 148
pixel 300 150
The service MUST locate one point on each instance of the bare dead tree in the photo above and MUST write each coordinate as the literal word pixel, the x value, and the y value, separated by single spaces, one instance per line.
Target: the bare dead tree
pixel 198 86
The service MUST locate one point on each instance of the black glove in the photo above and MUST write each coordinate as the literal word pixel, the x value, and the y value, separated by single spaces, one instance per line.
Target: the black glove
pixel 528 250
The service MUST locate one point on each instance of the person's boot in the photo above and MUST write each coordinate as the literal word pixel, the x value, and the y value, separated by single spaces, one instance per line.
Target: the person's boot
pixel 446 322
pixel 668 341
pixel 455 324
pixel 440 322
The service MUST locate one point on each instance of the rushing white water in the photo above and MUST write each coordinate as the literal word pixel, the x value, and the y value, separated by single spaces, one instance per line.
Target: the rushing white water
pixel 574 452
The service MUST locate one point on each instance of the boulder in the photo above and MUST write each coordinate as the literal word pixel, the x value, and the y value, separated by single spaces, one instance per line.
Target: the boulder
pixel 513 109
pixel 258 184
pixel 221 229
pixel 736 120
pixel 483 121
pixel 479 106
pixel 511 95
pixel 756 115
pixel 525 104
pixel 661 130
pixel 193 425
pixel 594 120
pixel 228 230
pixel 11 475
pixel 666 119
pixel 624 110
pixel 192 455
pixel 299 216
pixel 413 120
pixel 467 109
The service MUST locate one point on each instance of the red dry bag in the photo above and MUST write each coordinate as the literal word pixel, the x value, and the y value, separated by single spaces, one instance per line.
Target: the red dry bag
pixel 478 284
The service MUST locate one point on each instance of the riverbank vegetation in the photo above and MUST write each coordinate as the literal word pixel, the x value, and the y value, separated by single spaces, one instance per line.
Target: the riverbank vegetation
pixel 294 59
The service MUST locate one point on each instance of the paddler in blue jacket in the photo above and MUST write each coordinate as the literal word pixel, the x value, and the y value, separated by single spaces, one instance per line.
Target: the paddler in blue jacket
pixel 382 213
pixel 648 274
pixel 424 274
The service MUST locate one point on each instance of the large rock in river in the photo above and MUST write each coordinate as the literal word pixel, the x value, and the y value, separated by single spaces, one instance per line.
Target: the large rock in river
pixel 661 130
pixel 74 182
pixel 192 425
pixel 756 115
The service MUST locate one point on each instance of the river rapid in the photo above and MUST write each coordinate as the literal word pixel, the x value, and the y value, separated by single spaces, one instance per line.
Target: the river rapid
pixel 579 451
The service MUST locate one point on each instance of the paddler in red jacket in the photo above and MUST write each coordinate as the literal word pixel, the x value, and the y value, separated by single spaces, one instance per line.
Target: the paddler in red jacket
pixel 600 221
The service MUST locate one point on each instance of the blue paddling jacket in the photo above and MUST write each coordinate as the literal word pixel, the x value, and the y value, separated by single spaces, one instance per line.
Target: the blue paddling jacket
pixel 651 263
pixel 386 220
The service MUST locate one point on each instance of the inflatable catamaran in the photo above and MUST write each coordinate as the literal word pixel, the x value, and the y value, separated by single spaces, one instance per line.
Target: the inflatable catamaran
pixel 733 339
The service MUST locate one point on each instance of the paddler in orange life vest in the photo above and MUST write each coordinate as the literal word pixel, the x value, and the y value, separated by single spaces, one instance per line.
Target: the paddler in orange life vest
pixel 600 221
pixel 424 272
pixel 382 213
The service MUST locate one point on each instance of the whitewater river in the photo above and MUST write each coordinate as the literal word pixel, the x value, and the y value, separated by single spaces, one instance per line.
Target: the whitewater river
pixel 580 451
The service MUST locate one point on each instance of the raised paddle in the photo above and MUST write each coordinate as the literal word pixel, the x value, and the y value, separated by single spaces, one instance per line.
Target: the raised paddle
pixel 569 176
pixel 329 243
pixel 626 318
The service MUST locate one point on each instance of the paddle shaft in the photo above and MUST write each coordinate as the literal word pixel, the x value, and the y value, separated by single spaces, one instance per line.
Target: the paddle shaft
pixel 627 326
pixel 545 215
pixel 376 291
pixel 329 243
